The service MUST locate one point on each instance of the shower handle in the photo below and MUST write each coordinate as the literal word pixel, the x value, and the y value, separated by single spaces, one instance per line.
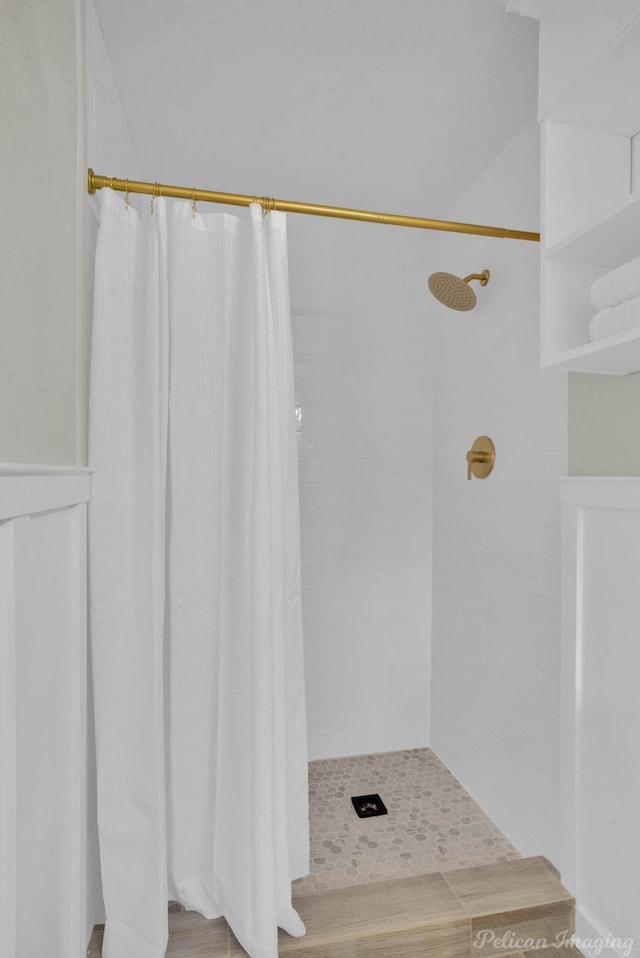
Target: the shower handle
pixel 481 458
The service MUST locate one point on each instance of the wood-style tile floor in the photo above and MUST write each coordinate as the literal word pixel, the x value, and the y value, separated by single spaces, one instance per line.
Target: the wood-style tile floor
pixel 439 915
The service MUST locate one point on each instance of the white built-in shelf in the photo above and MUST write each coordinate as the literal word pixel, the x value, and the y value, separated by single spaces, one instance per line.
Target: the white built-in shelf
pixel 591 206
pixel 616 355
pixel 605 241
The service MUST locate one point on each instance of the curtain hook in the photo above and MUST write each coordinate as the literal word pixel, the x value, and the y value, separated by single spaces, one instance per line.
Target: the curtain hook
pixel 126 195
pixel 194 208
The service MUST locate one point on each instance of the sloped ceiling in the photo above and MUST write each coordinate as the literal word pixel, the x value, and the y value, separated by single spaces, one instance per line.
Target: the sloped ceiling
pixel 393 105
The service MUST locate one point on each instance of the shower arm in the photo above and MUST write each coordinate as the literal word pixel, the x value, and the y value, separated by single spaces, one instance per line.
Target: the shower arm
pixel 483 277
pixel 96 182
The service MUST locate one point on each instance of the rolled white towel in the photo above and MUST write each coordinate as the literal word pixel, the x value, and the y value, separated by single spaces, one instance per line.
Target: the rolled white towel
pixel 615 319
pixel 617 285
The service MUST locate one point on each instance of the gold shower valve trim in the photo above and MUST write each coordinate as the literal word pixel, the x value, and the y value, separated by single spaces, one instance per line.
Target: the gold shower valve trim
pixel 481 458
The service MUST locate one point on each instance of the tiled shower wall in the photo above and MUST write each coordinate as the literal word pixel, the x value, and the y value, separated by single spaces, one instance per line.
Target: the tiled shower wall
pixel 364 372
pixel 496 622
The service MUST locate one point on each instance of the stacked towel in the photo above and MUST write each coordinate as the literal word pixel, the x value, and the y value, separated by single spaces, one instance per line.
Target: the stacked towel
pixel 615 319
pixel 616 296
pixel 617 285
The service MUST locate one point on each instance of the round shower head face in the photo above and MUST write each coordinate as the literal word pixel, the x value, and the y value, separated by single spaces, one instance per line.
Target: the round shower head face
pixel 452 291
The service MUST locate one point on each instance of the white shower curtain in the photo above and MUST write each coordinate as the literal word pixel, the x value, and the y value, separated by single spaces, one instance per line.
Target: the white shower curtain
pixel 195 615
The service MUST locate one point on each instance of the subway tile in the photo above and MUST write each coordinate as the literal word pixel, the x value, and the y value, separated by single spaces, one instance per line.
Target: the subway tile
pixel 317 622
pixel 336 520
pixel 417 469
pixel 398 495
pixel 336 745
pixel 335 646
pixel 337 445
pixel 401 321
pixel 393 736
pixel 340 391
pixel 539 576
pixel 340 343
pixel 401 395
pixel 363 356
pixel 400 445
pixel 332 721
pixel 380 597
pixel 349 419
pixel 412 348
pixel 317 418
pixel 364 677
pixel 305 316
pixel 381 617
pixel 339 494
pixel 382 421
pixel 350 571
pixel 367 470
pixel 324 545
pixel 541 648
pixel 397 545
pixel 314 469
pixel 385 369
pixel 395 521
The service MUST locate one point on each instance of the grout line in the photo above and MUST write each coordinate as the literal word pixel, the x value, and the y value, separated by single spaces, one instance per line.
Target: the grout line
pixel 453 891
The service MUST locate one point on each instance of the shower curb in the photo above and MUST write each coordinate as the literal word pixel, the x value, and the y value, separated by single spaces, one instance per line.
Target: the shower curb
pixel 475 911
pixel 478 911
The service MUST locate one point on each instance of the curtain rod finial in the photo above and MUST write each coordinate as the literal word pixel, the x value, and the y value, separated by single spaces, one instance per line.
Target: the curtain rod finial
pixel 91 186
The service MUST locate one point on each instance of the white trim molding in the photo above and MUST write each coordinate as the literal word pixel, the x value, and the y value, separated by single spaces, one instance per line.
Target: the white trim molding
pixel 600 705
pixel 43 709
pixel 8 791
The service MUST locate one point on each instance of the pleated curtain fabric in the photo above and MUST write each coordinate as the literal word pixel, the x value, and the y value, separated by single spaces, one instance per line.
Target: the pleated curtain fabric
pixel 195 611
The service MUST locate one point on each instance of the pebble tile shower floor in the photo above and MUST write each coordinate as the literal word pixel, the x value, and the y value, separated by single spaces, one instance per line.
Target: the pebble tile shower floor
pixel 432 825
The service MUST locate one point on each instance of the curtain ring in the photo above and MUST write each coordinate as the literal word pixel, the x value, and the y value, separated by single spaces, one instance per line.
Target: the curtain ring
pixel 194 208
pixel 126 195
pixel 154 194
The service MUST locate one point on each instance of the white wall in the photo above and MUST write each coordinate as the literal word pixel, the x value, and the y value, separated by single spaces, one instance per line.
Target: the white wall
pixel 364 373
pixel 573 35
pixel 42 701
pixel 42 321
pixel 496 616
pixel 108 149
pixel 604 418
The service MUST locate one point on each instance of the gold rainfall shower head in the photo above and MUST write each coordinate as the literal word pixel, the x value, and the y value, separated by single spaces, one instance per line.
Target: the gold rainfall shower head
pixel 455 292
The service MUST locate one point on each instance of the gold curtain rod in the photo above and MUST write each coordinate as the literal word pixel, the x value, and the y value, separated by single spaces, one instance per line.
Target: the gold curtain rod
pixel 313 209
